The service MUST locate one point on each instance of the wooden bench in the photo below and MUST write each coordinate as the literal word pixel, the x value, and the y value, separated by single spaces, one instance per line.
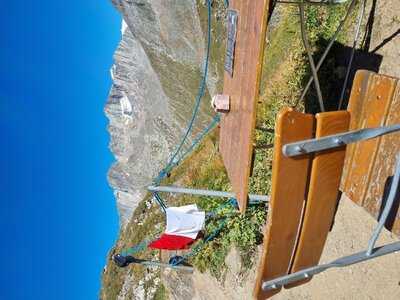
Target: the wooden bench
pixel 305 189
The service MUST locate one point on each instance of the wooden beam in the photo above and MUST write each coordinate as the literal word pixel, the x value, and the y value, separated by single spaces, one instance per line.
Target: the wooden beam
pixel 326 172
pixel 289 182
pixel 237 126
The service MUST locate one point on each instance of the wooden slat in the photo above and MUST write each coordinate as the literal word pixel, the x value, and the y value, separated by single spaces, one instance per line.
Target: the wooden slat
pixel 358 94
pixel 371 111
pixel 289 180
pixel 237 127
pixel 323 192
pixel 384 166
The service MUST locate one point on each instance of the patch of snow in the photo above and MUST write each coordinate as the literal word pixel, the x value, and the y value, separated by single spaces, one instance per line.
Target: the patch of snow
pixel 124 26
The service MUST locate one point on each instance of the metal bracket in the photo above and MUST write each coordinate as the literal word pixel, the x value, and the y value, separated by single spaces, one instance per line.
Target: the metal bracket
pixel 370 253
pixel 232 17
pixel 394 188
pixel 336 140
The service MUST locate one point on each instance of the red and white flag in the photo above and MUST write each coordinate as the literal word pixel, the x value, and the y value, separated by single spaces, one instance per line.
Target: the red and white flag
pixel 183 226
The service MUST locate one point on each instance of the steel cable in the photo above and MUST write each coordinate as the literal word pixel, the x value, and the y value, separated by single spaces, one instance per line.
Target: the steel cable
pixel 356 36
pixel 310 58
pixel 327 49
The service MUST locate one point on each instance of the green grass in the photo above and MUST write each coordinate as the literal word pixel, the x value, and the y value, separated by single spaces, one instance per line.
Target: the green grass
pixel 285 72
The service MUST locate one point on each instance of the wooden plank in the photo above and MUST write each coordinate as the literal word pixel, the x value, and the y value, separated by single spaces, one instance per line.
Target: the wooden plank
pixel 357 97
pixel 237 126
pixel 371 112
pixel 384 167
pixel 326 172
pixel 289 181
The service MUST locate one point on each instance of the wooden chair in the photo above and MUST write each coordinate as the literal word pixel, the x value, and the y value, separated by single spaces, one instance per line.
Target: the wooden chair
pixel 305 188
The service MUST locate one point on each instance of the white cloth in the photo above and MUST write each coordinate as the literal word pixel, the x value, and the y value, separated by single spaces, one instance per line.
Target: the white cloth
pixel 185 221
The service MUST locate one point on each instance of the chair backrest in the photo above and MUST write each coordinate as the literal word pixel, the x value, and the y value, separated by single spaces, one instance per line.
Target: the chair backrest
pixel 304 196
pixel 305 189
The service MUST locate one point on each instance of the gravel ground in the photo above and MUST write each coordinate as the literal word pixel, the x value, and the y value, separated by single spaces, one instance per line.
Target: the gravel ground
pixel 375 279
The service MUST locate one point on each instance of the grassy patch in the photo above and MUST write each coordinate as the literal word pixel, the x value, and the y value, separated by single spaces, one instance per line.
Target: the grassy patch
pixel 146 223
pixel 286 71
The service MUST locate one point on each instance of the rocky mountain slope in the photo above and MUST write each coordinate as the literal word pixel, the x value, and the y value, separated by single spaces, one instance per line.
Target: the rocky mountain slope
pixel 156 73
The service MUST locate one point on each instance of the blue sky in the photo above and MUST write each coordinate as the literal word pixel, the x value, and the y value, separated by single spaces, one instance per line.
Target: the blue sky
pixel 58 215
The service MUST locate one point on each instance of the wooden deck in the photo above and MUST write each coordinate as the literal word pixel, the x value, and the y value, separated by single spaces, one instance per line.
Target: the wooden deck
pixel 237 126
pixel 369 165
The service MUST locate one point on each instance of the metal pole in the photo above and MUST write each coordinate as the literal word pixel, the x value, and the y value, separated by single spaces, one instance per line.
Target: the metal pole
pixel 165 265
pixel 310 57
pixel 339 263
pixel 211 193
pixel 388 207
pixel 327 49
pixel 353 50
pixel 336 140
